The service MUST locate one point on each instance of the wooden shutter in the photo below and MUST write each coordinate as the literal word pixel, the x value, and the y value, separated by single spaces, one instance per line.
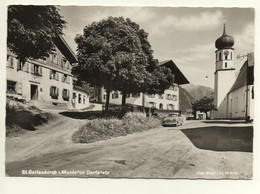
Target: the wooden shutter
pixel 27 67
pixel 18 88
pixel 32 68
pixel 18 65
pixel 40 71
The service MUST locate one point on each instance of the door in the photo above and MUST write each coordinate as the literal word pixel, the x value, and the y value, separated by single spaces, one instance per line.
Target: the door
pixel 34 92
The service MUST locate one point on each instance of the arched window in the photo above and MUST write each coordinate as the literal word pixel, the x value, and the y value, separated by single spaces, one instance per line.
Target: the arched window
pixel 161 106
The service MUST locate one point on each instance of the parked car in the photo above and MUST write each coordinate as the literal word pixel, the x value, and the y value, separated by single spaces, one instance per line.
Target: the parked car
pixel 173 119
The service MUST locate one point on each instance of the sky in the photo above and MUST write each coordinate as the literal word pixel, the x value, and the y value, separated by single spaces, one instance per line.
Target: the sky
pixel 185 35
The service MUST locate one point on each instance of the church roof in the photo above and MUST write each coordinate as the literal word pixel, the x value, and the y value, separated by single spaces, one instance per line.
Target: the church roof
pixel 179 77
pixel 245 76
pixel 225 41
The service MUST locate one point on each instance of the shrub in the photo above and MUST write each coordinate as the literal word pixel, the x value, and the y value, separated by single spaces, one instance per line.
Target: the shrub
pixel 101 129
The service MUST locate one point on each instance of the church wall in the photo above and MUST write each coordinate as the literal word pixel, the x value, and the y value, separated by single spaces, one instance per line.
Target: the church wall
pixel 224 82
pixel 237 103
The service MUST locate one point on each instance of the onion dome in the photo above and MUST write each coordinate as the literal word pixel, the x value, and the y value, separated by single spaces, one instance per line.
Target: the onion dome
pixel 225 41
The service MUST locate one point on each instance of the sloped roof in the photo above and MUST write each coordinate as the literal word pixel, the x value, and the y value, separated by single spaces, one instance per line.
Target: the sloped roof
pixel 79 88
pixel 65 49
pixel 179 77
pixel 246 75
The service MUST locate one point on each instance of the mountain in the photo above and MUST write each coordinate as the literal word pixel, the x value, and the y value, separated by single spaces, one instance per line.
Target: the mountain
pixel 198 92
pixel 190 92
pixel 185 99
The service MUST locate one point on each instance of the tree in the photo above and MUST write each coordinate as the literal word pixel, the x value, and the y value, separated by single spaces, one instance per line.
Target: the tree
pixel 31 30
pixel 205 105
pixel 116 54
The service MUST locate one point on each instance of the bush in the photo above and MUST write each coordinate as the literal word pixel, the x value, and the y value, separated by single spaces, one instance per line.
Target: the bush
pixel 101 129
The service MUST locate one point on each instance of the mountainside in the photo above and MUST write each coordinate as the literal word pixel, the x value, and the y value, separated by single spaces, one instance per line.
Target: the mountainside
pixel 198 92
pixel 190 92
pixel 185 100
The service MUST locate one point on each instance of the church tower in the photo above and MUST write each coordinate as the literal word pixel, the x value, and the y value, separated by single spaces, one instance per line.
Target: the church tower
pixel 225 71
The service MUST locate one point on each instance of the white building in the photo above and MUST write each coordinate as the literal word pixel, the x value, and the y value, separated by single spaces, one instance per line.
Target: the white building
pixel 167 101
pixel 43 83
pixel 234 95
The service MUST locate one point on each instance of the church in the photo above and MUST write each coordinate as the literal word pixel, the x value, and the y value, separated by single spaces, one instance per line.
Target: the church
pixel 234 93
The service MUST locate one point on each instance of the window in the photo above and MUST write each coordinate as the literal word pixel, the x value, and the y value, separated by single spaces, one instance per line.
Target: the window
pixel 66 94
pixel 54 92
pixel 74 95
pixel 136 95
pixel 170 107
pixel 219 56
pixel 54 75
pixel 169 97
pixel 104 96
pixel 14 87
pixel 161 96
pixel 174 98
pixel 19 65
pixel 36 70
pixel 225 57
pixel 79 100
pixel 54 58
pixel 151 104
pixel 84 100
pixel 11 87
pixel 65 78
pixel 115 95
pixel 161 106
pixel 225 65
pixel 25 67
pixel 10 62
pixel 63 63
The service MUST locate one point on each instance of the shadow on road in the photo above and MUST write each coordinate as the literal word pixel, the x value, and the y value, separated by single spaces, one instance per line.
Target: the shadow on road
pixel 225 121
pixel 218 138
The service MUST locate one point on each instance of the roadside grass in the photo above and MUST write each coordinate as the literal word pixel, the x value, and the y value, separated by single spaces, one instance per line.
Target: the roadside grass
pixel 21 117
pixel 102 129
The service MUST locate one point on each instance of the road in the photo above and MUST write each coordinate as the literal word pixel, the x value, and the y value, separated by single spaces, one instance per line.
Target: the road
pixel 164 152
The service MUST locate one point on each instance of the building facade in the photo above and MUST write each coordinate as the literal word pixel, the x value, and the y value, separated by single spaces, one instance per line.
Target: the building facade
pixel 42 82
pixel 167 101
pixel 80 98
pixel 234 95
